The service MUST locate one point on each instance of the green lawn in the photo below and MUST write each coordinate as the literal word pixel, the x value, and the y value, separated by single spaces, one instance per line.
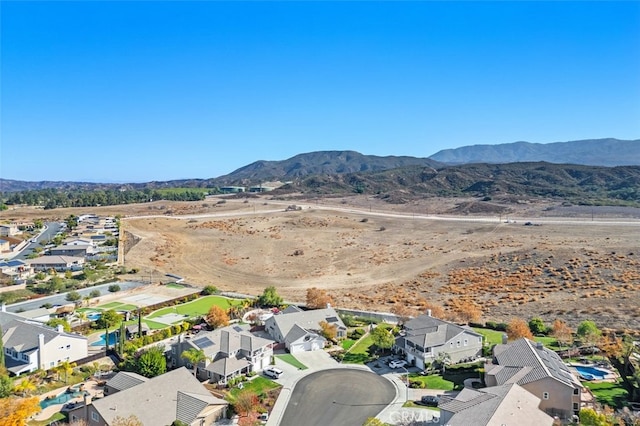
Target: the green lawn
pixel 360 352
pixel 54 418
pixel 549 342
pixel 290 359
pixel 347 343
pixel 110 305
pixel 260 385
pixel 412 404
pixel 433 382
pixel 174 285
pixel 153 325
pixel 196 307
pixel 612 394
pixel 493 337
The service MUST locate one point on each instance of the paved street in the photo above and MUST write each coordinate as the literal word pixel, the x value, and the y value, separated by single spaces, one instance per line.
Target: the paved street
pixel 337 397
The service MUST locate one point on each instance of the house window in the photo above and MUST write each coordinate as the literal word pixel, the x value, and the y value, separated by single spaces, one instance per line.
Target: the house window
pixel 576 391
pixel 450 344
pixel 545 395
pixel 576 406
pixel 427 350
pixel 68 346
pixel 466 342
pixel 94 416
pixel 458 344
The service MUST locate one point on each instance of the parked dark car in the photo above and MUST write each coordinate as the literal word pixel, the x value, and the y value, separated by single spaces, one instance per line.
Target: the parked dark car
pixel 429 400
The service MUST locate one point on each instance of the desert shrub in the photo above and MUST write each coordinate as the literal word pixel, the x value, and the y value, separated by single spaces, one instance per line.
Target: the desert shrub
pixel 114 288
pixel 210 289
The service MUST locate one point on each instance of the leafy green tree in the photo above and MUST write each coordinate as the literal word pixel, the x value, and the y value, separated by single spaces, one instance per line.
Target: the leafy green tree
pixel 382 338
pixel 537 326
pixel 194 357
pixel 269 297
pixel 588 333
pixel 108 319
pixel 55 322
pixel 73 296
pixel 65 367
pixel 54 285
pixel 114 288
pixel 6 386
pixel 95 293
pixel 152 362
pixel 210 289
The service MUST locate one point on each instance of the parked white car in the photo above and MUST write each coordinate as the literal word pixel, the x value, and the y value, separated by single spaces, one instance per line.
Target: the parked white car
pixel 272 372
pixel 397 363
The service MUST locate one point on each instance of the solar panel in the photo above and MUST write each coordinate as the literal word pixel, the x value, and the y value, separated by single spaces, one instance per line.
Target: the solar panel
pixel 332 319
pixel 237 328
pixel 203 342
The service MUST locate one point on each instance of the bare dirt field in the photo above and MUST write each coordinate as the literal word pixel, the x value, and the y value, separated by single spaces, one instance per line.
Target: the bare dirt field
pixel 511 258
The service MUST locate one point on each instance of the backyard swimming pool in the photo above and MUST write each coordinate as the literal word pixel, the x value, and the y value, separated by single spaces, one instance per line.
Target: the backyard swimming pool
pixel 591 373
pixel 60 399
pixel 113 338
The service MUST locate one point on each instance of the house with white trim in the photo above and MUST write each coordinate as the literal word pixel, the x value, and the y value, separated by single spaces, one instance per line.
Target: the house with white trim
pixel 29 345
pixel 424 338
pixel 301 330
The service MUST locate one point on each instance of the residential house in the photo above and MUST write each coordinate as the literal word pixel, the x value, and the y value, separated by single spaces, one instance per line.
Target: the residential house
pixel 230 351
pixel 16 270
pixel 425 338
pixel 539 371
pixel 301 330
pixel 29 346
pixel 9 229
pixel 58 263
pixel 41 315
pixel 161 400
pixel 75 250
pixel 123 381
pixel 503 405
pixel 5 246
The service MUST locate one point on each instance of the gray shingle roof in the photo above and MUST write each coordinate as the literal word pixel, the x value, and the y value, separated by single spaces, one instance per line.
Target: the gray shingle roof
pixel 428 331
pixel 125 380
pixel 22 335
pixel 308 320
pixel 224 366
pixel 190 405
pixel 153 402
pixel 541 363
pixel 498 405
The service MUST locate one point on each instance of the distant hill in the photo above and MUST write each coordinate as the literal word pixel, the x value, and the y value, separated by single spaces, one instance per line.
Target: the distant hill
pixel 574 183
pixel 592 152
pixel 319 163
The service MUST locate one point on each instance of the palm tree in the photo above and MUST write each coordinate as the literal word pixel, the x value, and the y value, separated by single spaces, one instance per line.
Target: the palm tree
pixel 82 316
pixel 195 357
pixel 25 387
pixel 65 367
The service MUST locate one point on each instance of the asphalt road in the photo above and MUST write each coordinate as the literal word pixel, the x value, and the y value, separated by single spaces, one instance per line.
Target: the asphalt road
pixel 337 397
pixel 50 232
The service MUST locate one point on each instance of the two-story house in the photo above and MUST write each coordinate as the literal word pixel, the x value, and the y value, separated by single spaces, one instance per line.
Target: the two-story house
pixel 301 330
pixel 161 400
pixel 494 406
pixel 58 263
pixel 230 351
pixel 425 337
pixel 29 346
pixel 539 371
pixel 16 270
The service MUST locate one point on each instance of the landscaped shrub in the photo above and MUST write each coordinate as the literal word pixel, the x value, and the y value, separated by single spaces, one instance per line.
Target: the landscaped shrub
pixel 114 288
pixel 356 334
pixel 210 289
pixel 417 384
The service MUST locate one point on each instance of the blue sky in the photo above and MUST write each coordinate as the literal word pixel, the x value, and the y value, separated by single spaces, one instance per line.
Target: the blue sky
pixel 138 91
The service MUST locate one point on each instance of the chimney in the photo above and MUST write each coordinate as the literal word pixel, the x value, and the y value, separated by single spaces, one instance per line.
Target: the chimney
pixel 504 338
pixel 40 351
pixel 428 312
pixel 328 305
pixel 60 328
pixel 3 307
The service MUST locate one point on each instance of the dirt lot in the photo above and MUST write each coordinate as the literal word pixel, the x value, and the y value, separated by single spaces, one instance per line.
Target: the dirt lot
pixel 567 262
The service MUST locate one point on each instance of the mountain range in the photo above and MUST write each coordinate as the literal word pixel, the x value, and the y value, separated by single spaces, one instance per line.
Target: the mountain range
pixel 340 169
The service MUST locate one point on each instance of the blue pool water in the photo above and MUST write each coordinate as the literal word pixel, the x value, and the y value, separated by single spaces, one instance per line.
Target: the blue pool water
pixel 591 373
pixel 93 316
pixel 113 338
pixel 60 399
